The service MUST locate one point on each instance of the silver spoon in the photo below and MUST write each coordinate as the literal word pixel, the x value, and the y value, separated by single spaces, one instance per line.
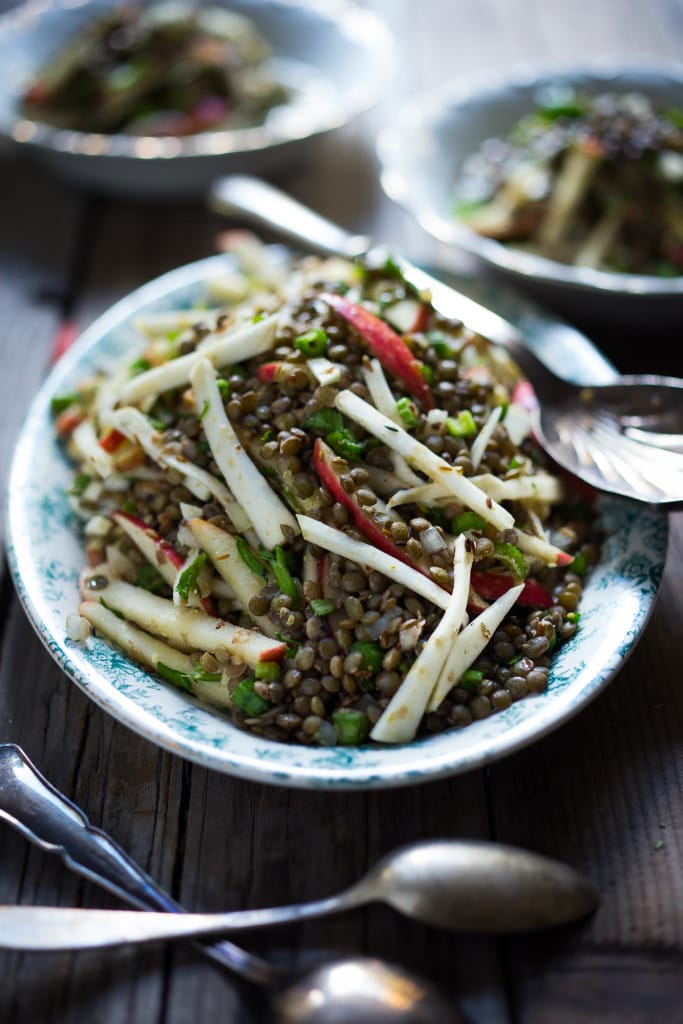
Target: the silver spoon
pixel 624 437
pixel 465 885
pixel 46 817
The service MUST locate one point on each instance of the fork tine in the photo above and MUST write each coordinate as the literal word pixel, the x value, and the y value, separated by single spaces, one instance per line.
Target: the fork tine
pixel 641 463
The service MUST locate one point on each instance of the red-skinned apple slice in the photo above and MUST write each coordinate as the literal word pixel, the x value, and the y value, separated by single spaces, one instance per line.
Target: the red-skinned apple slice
pixel 491 585
pixel 386 344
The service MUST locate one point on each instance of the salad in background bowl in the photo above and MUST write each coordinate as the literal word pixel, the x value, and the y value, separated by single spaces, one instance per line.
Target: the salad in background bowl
pixel 533 174
pixel 327 61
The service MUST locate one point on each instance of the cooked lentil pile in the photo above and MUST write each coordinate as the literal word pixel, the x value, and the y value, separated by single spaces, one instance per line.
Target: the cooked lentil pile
pixel 282 503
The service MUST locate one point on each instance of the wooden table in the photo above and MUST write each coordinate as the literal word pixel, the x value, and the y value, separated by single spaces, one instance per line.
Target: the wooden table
pixel 602 793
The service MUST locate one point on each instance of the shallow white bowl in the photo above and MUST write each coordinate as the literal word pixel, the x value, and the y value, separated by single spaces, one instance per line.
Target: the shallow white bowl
pixel 446 127
pixel 46 555
pixel 336 56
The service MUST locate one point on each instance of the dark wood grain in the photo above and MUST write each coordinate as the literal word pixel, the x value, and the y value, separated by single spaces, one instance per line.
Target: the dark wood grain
pixel 602 793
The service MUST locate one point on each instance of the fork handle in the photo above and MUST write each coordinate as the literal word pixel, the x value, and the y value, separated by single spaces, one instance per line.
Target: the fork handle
pixel 49 819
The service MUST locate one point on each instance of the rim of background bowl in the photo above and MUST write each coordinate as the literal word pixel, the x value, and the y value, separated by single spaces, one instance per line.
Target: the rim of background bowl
pixel 420 114
pixel 269 762
pixel 363 28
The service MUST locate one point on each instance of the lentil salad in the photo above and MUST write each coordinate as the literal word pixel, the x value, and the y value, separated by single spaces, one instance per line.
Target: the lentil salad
pixel 587 179
pixel 319 585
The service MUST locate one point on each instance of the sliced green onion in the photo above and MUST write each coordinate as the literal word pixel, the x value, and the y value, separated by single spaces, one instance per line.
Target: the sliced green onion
pixel 179 679
pixel 61 402
pixel 462 425
pixel 278 562
pixel 373 655
pixel 246 700
pixel 202 676
pixel 512 558
pixel 407 410
pixel 467 521
pixel 472 675
pixel 268 671
pixel 352 726
pixel 187 582
pixel 580 564
pixel 322 606
pixel 250 558
pixel 438 342
pixel 428 373
pixel 223 386
pixel 313 343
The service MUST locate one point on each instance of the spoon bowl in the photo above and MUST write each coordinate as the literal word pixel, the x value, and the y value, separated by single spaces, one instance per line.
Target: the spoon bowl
pixel 624 438
pixel 361 990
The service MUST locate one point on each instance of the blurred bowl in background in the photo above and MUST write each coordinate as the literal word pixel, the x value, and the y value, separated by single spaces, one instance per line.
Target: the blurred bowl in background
pixel 447 127
pixel 334 56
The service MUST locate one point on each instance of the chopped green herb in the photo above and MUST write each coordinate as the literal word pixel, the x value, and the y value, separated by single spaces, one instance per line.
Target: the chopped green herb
pixel 173 335
pixel 79 485
pixel 188 580
pixel 258 318
pixel 246 700
pixel 130 507
pixel 515 463
pixel 250 557
pixel 151 579
pixel 292 645
pixel 312 343
pixel 462 425
pixel 112 610
pixel 139 366
pixel 467 521
pixel 573 616
pixel 172 675
pixel 428 373
pixel 373 655
pixel 407 410
pixel 61 402
pixel 322 606
pixel 472 675
pixel 352 726
pixel 223 387
pixel 512 558
pixel 205 408
pixel 267 435
pixel 342 440
pixel 268 671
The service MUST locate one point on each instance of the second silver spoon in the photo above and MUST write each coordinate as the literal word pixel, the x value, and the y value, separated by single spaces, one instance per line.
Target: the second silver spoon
pixel 459 884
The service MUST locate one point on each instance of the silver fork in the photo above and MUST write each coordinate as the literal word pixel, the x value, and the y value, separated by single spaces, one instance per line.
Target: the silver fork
pixel 47 818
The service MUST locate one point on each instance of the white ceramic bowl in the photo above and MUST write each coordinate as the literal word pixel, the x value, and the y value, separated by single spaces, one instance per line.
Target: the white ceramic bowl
pixel 336 56
pixel 448 126
pixel 45 552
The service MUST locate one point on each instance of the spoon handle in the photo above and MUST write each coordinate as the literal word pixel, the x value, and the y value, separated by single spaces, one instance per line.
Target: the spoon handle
pixel 49 819
pixel 43 929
